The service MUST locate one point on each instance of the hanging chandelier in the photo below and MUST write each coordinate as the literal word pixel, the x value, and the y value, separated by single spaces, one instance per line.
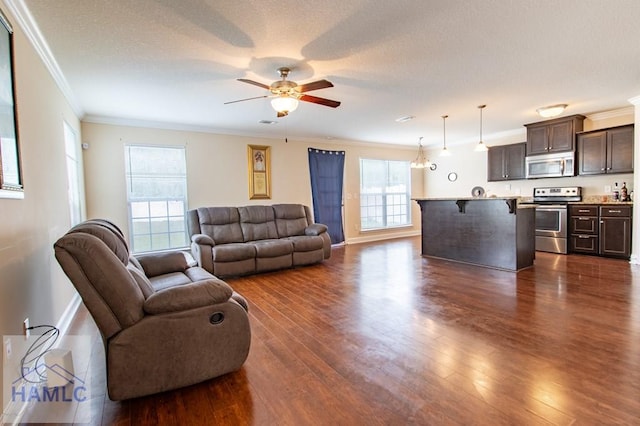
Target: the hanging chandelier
pixel 421 161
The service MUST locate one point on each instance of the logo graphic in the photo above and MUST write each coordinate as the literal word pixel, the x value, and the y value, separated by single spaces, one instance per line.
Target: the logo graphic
pixel 28 388
pixel 46 385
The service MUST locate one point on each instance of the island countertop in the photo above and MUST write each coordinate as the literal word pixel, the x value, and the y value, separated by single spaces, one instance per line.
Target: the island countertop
pixel 494 232
pixel 465 198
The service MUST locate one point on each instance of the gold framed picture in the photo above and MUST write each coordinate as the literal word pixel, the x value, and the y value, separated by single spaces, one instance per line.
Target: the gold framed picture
pixel 259 172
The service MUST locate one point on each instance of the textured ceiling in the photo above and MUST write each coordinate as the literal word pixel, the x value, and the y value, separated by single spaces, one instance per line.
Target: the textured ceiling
pixel 176 62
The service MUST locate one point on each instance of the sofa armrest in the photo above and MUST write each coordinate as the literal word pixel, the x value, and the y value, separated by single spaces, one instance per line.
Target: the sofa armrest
pixel 201 246
pixel 154 264
pixel 315 229
pixel 202 239
pixel 188 296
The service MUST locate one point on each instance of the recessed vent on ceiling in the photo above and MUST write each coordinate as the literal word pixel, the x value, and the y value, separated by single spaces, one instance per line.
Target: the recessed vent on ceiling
pixel 267 122
pixel 405 118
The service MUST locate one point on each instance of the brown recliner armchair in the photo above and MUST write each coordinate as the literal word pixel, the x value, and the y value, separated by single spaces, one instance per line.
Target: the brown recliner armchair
pixel 164 323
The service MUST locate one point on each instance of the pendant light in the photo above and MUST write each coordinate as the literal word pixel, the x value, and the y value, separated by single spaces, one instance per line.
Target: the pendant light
pixel 421 161
pixel 445 152
pixel 481 147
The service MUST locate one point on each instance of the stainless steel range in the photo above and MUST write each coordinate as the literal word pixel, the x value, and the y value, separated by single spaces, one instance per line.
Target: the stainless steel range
pixel 551 216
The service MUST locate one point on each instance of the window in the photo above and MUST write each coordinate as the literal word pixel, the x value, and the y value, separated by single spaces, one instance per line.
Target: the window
pixel 157 197
pixel 385 188
pixel 73 174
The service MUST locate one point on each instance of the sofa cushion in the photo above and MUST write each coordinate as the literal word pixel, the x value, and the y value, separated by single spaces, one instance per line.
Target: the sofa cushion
pixel 306 243
pixel 257 223
pixel 272 248
pixel 233 252
pixel 221 223
pixel 172 279
pixel 291 219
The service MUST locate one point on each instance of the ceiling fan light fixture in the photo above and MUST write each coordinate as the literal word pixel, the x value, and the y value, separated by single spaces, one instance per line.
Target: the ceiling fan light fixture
pixel 551 110
pixel 284 104
pixel 481 146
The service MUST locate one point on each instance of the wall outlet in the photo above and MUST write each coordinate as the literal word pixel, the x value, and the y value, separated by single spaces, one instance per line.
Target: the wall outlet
pixel 6 349
pixel 607 189
pixel 25 328
pixel 507 187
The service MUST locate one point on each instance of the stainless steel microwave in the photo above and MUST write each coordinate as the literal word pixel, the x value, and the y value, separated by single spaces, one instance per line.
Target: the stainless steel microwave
pixel 559 164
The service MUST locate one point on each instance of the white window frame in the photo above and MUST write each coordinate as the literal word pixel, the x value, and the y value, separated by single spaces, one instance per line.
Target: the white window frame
pixel 388 200
pixel 74 173
pixel 155 201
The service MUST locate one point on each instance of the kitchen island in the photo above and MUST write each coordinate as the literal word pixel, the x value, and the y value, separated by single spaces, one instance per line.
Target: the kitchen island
pixel 491 232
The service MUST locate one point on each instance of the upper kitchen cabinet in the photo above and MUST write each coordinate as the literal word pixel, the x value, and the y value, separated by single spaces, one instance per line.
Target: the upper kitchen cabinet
pixel 606 151
pixel 506 162
pixel 557 135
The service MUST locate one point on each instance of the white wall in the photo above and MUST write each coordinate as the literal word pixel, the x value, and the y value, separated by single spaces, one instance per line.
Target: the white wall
pixel 31 282
pixel 217 172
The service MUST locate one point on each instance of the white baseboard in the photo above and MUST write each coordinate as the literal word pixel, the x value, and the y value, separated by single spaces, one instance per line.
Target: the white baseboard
pixel 68 314
pixel 377 237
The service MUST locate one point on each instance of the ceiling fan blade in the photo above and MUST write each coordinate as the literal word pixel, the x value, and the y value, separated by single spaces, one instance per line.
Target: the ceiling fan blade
pixel 320 84
pixel 247 99
pixel 321 101
pixel 255 83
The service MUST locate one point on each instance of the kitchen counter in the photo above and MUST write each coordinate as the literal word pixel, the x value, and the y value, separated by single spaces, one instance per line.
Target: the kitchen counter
pixel 603 203
pixel 493 232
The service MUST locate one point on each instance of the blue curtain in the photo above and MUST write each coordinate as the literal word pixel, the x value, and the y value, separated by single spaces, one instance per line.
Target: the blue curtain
pixel 327 169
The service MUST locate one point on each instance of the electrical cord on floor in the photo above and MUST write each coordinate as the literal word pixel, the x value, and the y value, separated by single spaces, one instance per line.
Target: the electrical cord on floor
pixel 46 340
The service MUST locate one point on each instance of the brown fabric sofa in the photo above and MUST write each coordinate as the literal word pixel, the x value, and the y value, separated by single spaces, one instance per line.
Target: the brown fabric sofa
pixel 229 241
pixel 165 324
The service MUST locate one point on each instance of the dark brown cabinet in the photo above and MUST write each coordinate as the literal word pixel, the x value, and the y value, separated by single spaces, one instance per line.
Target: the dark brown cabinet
pixel 557 135
pixel 606 151
pixel 615 231
pixel 583 229
pixel 506 162
pixel 603 230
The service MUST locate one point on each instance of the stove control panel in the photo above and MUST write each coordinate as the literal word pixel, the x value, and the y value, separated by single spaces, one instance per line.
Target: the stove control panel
pixel 560 191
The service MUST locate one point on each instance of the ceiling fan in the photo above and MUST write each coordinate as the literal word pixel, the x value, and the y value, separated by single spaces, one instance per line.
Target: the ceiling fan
pixel 286 93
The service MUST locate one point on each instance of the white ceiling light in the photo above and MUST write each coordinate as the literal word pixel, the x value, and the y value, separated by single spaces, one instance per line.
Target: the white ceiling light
pixel 481 147
pixel 445 152
pixel 551 110
pixel 284 104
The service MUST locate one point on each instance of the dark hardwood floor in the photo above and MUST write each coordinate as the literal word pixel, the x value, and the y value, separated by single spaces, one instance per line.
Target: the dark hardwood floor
pixel 378 335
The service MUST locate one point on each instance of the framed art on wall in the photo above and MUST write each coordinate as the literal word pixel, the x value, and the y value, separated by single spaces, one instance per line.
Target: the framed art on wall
pixel 10 172
pixel 259 172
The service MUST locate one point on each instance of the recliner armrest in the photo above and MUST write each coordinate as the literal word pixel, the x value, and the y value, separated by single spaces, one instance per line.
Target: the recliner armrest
pixel 315 229
pixel 202 239
pixel 154 264
pixel 188 296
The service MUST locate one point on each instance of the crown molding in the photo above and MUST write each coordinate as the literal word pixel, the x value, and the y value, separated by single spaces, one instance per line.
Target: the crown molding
pixel 27 24
pixel 635 100
pixel 604 115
